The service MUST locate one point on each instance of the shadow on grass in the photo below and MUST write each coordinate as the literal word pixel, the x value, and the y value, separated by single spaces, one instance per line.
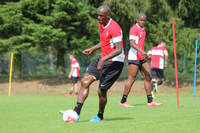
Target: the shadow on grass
pixel 119 118
pixel 139 104
pixel 109 119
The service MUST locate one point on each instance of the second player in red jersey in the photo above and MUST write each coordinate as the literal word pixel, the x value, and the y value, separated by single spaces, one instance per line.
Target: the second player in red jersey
pixel 137 62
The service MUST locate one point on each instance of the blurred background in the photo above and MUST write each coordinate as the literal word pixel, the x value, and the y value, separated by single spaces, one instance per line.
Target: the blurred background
pixel 42 33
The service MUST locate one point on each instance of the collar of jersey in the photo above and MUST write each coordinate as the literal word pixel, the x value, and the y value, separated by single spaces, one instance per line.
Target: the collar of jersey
pixel 107 24
pixel 139 26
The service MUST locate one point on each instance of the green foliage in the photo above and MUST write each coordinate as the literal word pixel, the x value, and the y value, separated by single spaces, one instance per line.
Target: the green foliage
pixel 189 10
pixel 69 26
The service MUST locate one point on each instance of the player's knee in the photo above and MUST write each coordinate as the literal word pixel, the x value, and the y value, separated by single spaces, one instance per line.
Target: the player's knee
pixel 102 93
pixel 131 79
pixel 85 81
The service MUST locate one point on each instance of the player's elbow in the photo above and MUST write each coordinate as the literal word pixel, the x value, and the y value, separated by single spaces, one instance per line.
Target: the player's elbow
pixel 118 51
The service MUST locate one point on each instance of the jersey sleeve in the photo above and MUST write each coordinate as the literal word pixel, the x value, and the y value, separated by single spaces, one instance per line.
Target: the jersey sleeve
pixel 116 34
pixel 133 34
pixel 165 52
pixel 149 52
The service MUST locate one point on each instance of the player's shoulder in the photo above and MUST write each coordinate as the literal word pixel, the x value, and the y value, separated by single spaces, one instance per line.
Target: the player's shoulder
pixel 115 24
pixel 134 27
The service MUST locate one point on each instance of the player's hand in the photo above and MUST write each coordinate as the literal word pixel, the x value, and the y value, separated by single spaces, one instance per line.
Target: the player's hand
pixel 100 64
pixel 144 54
pixel 87 51
pixel 148 56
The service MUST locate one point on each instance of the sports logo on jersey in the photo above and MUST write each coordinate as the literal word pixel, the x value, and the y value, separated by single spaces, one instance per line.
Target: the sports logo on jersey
pixel 107 34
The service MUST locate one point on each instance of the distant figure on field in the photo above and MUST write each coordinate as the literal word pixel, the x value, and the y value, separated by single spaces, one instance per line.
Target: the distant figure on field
pixel 74 76
pixel 137 62
pixel 159 57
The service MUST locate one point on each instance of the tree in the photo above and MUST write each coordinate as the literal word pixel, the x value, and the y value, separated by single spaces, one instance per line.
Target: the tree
pixel 11 36
pixel 189 11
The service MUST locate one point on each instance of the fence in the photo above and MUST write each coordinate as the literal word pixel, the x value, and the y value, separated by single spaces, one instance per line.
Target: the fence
pixel 44 64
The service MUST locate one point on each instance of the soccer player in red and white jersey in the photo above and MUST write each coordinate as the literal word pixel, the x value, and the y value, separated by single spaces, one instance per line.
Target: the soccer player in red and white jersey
pixel 159 57
pixel 74 76
pixel 108 66
pixel 137 61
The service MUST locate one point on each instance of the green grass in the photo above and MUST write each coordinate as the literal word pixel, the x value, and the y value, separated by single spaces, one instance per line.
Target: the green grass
pixel 39 114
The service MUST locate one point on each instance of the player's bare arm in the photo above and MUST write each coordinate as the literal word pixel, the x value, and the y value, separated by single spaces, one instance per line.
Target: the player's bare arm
pixel 166 57
pixel 90 50
pixel 117 51
pixel 133 45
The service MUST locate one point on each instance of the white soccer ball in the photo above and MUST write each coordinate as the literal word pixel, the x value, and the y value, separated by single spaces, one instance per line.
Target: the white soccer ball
pixel 70 116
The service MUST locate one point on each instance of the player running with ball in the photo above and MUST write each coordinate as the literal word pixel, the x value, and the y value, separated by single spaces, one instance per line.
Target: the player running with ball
pixel 105 68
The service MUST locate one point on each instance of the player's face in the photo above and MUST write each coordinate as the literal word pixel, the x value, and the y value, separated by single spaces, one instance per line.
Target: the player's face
pixel 70 57
pixel 141 21
pixel 102 17
pixel 164 44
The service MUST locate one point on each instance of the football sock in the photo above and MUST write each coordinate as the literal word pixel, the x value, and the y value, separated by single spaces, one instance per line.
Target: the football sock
pixel 152 85
pixel 124 97
pixel 100 115
pixel 160 82
pixel 78 108
pixel 149 98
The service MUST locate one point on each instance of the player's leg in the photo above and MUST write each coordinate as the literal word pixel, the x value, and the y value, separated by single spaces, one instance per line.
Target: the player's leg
pixel 84 91
pixel 71 89
pixel 76 89
pixel 160 81
pixel 88 78
pixel 145 70
pixel 160 76
pixel 132 72
pixel 154 75
pixel 110 74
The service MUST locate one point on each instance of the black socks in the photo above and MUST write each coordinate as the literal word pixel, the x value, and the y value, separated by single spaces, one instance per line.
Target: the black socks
pixel 149 98
pixel 124 97
pixel 78 108
pixel 100 115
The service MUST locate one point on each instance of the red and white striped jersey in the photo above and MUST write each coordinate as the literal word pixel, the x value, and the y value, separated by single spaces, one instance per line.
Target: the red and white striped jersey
pixel 138 34
pixel 110 34
pixel 157 56
pixel 75 66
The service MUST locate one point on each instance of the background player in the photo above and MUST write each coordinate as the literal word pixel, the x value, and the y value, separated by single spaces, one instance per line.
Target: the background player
pixel 159 57
pixel 137 61
pixel 105 68
pixel 74 75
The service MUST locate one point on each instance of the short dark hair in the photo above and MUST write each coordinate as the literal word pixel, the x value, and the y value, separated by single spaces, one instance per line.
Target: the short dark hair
pixel 161 40
pixel 73 55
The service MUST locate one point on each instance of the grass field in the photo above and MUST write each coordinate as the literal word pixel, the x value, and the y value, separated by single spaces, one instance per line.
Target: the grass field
pixel 39 114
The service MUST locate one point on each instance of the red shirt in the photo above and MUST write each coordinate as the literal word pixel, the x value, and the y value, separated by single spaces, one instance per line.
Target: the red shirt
pixel 138 34
pixel 109 35
pixel 157 56
pixel 75 66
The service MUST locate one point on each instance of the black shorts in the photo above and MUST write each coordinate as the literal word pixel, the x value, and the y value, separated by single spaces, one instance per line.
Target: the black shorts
pixel 137 62
pixel 74 79
pixel 157 73
pixel 109 74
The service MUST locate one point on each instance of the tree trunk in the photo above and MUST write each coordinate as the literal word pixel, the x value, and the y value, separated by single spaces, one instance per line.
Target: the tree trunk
pixel 50 54
pixel 61 63
pixel 17 66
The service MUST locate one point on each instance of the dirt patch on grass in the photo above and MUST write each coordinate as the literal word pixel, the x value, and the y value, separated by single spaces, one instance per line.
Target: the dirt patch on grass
pixel 54 87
